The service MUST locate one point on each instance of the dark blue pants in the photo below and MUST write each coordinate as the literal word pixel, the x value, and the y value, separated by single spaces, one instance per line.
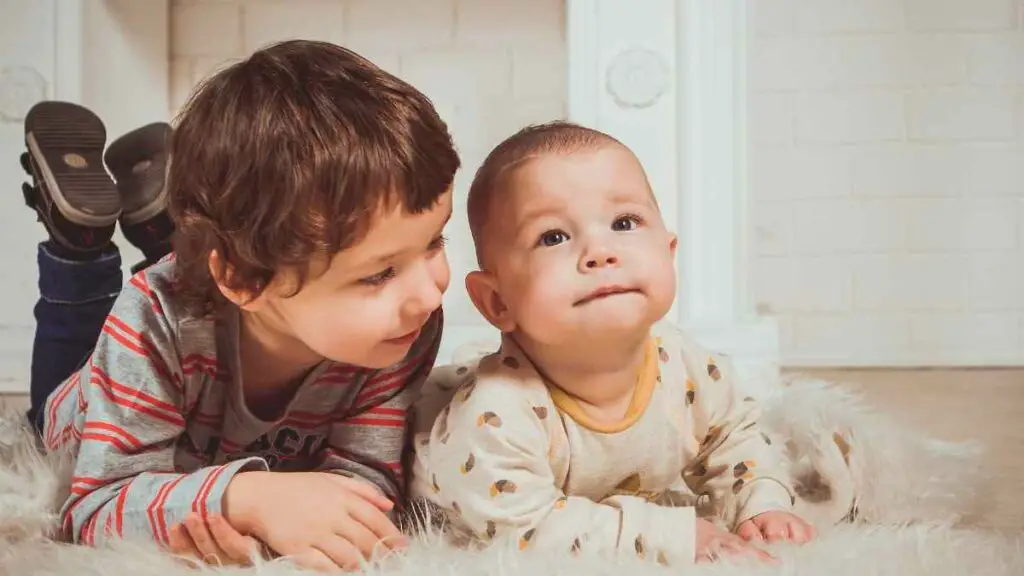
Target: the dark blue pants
pixel 74 301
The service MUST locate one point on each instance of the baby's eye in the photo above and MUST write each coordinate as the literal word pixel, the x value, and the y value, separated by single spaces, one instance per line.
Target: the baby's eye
pixel 626 223
pixel 552 238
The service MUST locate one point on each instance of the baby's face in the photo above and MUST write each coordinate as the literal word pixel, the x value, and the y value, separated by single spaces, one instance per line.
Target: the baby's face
pixel 579 249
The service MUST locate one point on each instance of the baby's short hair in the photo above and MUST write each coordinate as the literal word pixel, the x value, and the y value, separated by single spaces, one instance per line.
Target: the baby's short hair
pixel 559 137
pixel 287 155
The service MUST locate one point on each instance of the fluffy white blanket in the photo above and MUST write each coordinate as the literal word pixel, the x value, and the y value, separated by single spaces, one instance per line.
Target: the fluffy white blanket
pixel 915 500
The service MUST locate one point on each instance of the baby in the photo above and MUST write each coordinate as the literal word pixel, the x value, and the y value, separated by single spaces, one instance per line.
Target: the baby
pixel 595 427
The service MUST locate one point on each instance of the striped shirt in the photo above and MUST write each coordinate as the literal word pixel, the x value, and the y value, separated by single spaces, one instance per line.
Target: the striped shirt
pixel 158 423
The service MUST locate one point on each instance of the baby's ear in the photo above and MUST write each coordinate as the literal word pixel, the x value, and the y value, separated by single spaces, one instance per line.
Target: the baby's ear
pixel 673 243
pixel 483 291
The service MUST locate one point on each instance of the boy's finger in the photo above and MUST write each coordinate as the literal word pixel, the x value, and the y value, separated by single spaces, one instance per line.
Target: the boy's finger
pixel 362 488
pixel 341 552
pixel 239 549
pixel 180 542
pixel 314 560
pixel 379 524
pixel 209 551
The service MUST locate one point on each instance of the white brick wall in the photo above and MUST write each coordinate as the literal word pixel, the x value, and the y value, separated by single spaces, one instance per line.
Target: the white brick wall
pixel 887 169
pixel 490 67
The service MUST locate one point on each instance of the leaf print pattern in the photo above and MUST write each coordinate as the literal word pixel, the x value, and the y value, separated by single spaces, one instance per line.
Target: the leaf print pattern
pixel 511 362
pixel 742 473
pixel 691 391
pixel 541 412
pixel 524 540
pixel 503 487
pixel 467 466
pixel 488 419
pixel 713 370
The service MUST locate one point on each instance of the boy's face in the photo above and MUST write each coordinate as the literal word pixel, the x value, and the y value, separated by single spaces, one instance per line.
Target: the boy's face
pixel 579 251
pixel 366 305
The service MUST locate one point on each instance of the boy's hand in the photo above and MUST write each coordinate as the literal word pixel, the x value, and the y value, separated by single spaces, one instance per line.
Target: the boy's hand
pixel 713 543
pixel 322 521
pixel 214 542
pixel 776 527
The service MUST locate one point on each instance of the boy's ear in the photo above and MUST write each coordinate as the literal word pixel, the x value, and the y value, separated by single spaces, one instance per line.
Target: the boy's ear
pixel 483 291
pixel 220 271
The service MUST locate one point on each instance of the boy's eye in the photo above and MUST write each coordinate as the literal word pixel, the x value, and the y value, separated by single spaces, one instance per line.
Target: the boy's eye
pixel 379 278
pixel 626 223
pixel 552 238
pixel 439 242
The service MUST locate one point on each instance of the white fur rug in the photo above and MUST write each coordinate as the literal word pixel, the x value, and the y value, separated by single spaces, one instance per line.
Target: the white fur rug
pixel 915 498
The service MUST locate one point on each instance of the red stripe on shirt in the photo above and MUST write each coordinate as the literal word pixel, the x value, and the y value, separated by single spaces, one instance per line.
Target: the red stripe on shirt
pixel 142 283
pixel 204 493
pixel 119 508
pixel 146 403
pixel 94 426
pixel 157 505
pixel 55 401
pixel 364 421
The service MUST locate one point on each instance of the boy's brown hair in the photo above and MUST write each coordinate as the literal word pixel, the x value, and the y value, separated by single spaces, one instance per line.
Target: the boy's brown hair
pixel 558 137
pixel 286 156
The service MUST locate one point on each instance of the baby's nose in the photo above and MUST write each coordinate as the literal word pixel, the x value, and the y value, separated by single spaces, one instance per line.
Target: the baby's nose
pixel 602 260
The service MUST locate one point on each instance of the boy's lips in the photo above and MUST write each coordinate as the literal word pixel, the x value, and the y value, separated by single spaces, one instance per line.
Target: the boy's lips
pixel 604 292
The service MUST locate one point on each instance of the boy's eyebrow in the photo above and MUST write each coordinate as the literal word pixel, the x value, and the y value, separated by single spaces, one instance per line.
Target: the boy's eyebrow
pixel 391 255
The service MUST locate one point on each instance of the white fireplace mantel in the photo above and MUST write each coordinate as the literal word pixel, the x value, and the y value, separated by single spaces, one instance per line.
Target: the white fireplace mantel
pixel 668 78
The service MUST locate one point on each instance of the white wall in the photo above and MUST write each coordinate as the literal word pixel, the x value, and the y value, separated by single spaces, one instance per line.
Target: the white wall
pixel 888 177
pixel 490 67
pixel 27 70
pixel 109 55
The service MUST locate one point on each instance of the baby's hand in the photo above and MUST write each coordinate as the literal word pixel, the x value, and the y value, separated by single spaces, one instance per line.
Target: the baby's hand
pixel 713 542
pixel 215 541
pixel 776 526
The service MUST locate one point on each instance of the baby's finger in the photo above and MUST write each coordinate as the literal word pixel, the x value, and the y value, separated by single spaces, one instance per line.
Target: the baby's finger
pixel 775 531
pixel 749 532
pixel 799 531
pixel 238 549
pixel 209 551
pixel 809 529
pixel 738 547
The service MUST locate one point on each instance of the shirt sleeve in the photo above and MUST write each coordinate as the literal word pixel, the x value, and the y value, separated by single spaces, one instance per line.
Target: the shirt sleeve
pixel 487 464
pixel 370 443
pixel 736 465
pixel 122 416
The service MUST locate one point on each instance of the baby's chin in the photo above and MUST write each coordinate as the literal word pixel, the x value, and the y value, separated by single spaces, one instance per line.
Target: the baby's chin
pixel 603 323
